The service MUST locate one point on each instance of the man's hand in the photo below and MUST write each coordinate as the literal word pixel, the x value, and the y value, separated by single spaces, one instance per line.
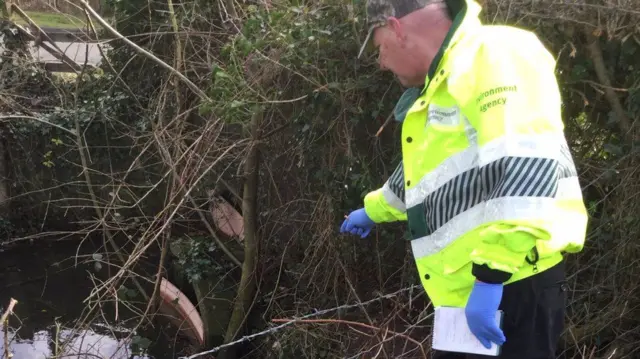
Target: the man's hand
pixel 481 313
pixel 357 223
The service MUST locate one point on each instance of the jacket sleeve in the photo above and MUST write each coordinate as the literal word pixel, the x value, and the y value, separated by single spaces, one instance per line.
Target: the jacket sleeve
pixel 514 107
pixel 387 204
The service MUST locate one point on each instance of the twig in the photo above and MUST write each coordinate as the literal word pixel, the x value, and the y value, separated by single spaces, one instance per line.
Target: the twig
pixel 105 58
pixel 57 340
pixel 82 151
pixel 295 320
pixel 174 171
pixel 595 53
pixel 145 243
pixel 386 122
pixel 18 117
pixel 340 321
pixel 5 323
pixel 158 280
pixel 5 315
pixel 115 33
pixel 215 237
pixel 175 178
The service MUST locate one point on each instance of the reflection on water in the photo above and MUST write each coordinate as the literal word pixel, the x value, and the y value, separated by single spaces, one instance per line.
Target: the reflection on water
pixel 50 290
pixel 71 344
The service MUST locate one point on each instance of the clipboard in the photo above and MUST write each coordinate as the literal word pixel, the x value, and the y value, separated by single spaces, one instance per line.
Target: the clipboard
pixel 451 333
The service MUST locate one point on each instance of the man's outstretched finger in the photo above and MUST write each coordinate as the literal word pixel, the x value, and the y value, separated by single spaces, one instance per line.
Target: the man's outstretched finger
pixel 343 227
pixel 485 342
pixel 496 335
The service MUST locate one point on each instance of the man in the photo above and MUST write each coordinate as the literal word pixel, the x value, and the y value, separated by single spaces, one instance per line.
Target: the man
pixel 487 184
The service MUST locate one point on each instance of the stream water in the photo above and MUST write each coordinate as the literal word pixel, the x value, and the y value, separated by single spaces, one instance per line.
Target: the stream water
pixel 50 289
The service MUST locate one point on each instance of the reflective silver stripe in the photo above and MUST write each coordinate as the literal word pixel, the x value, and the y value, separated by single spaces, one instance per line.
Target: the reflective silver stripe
pixel 569 187
pixel 393 189
pixel 550 146
pixel 506 177
pixel 392 199
pixel 499 209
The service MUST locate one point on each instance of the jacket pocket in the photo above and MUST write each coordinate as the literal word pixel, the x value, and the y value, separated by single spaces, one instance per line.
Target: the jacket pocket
pixel 453 265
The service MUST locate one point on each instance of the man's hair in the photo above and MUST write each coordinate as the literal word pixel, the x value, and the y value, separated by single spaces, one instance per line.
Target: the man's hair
pixel 378 11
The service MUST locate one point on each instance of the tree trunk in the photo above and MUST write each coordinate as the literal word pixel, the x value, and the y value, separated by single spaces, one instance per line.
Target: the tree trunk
pixel 246 289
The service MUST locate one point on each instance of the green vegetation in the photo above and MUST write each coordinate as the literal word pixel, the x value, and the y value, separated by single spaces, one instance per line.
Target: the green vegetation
pixel 53 20
pixel 152 153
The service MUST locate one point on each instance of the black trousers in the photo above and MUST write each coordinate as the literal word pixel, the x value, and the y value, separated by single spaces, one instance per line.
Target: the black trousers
pixel 533 317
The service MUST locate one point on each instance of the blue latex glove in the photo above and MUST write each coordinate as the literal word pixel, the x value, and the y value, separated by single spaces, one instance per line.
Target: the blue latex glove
pixel 481 313
pixel 357 223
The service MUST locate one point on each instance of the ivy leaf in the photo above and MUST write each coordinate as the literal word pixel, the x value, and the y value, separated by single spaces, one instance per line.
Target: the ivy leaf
pixel 236 103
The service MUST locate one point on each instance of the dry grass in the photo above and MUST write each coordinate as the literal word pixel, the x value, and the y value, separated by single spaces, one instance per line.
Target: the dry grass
pixel 617 18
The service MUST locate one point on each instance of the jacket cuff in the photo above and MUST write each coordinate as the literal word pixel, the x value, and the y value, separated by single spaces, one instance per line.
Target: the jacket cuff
pixel 379 211
pixel 492 276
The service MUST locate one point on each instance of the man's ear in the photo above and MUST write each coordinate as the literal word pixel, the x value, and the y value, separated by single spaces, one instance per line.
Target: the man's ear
pixel 395 26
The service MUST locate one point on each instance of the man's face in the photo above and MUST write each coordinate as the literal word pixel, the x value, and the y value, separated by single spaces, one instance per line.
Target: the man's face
pixel 394 54
pixel 407 46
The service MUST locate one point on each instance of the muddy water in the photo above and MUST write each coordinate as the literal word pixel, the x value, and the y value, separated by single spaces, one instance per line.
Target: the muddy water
pixel 50 290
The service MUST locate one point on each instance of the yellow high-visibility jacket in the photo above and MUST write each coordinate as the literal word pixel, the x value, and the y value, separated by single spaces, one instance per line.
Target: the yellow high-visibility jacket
pixel 486 175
